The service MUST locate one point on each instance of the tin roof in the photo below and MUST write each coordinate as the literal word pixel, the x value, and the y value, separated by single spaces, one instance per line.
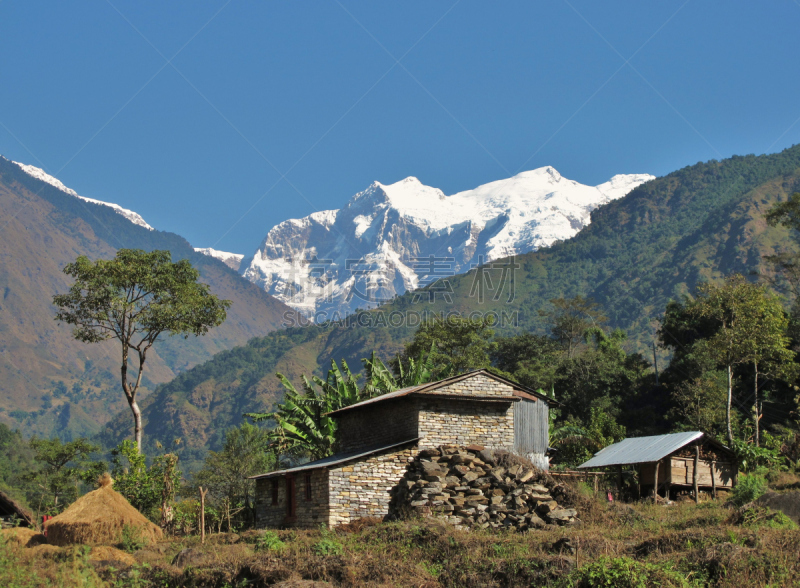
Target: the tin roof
pixel 641 449
pixel 333 460
pixel 440 383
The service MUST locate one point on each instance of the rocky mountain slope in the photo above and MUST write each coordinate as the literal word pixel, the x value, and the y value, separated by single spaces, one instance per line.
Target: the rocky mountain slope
pixel 390 239
pixel 655 243
pixel 232 260
pixel 48 381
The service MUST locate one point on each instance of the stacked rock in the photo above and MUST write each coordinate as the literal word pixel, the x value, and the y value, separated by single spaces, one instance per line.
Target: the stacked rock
pixel 474 487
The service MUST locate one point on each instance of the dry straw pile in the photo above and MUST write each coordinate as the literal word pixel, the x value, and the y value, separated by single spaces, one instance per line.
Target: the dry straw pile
pixel 98 518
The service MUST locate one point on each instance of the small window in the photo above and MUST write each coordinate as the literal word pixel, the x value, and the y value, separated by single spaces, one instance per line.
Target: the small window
pixel 274 492
pixel 308 487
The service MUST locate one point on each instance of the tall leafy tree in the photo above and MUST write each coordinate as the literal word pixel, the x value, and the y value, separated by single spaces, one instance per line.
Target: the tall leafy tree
pixel 458 344
pixel 734 323
pixel 570 318
pixel 62 466
pixel 225 473
pixel 134 298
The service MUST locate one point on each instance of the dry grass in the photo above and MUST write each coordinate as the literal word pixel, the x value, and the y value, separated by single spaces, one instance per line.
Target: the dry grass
pixel 23 537
pixel 683 545
pixel 98 518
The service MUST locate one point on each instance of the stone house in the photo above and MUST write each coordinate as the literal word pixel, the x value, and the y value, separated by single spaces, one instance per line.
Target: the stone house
pixel 380 436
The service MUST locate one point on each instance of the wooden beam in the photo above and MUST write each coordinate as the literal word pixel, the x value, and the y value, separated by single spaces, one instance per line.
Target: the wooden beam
pixel 713 480
pixel 655 484
pixel 696 468
pixel 203 514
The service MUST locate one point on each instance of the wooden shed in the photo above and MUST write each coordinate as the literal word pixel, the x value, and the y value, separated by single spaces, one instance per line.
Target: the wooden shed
pixel 13 513
pixel 669 464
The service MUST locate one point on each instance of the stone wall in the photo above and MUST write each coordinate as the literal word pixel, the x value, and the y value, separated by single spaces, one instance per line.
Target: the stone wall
pixel 477 487
pixel 386 422
pixel 463 422
pixel 477 385
pixel 363 488
pixel 308 513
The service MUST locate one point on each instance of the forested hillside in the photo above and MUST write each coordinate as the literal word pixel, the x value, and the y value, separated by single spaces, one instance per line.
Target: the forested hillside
pixel 658 242
pixel 50 383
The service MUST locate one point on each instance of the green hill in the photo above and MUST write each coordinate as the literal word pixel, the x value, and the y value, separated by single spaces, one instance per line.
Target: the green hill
pixel 697 223
pixel 52 384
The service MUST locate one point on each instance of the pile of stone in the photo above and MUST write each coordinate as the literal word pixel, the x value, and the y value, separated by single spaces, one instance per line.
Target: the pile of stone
pixel 474 487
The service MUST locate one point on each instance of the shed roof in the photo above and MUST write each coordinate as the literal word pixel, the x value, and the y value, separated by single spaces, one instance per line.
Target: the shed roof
pixel 333 460
pixel 9 506
pixel 429 387
pixel 641 449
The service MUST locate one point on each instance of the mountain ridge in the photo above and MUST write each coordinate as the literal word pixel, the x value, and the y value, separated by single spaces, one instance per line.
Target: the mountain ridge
pixel 48 381
pixel 656 243
pixel 392 238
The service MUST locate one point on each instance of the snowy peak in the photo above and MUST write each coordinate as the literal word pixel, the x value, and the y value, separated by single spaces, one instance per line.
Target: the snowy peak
pixel 232 260
pixel 333 262
pixel 40 174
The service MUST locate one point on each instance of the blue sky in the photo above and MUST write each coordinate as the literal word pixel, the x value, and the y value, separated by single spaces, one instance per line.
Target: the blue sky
pixel 218 119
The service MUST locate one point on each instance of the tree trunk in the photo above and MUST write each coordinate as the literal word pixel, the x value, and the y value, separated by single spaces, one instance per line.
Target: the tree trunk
pixel 130 394
pixel 728 405
pixel 756 436
pixel 696 473
pixel 137 424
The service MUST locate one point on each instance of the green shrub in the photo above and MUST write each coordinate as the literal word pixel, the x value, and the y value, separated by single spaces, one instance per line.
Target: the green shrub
pixel 131 538
pixel 623 572
pixel 748 489
pixel 328 545
pixel 270 541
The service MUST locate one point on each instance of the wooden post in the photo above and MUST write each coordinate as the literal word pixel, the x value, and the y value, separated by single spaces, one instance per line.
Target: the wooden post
pixel 203 514
pixel 619 481
pixel 668 480
pixel 696 469
pixel 655 484
pixel 713 480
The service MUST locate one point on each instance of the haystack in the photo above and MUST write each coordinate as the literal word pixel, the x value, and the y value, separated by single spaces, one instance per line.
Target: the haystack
pixel 22 537
pixel 98 519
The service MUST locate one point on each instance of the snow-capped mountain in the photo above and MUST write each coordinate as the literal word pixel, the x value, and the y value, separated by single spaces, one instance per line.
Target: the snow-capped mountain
pixel 232 260
pixel 40 174
pixel 392 238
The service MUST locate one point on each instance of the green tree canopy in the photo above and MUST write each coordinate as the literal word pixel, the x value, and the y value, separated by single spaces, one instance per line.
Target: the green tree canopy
pixel 733 323
pixel 225 473
pixel 134 298
pixel 455 344
pixel 62 466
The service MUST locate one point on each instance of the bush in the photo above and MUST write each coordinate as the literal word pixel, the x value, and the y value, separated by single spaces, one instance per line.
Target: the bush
pixel 748 489
pixel 270 541
pixel 328 545
pixel 623 572
pixel 131 538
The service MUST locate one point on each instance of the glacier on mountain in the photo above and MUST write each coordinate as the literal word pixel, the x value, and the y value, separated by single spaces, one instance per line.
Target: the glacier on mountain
pixel 40 174
pixel 393 238
pixel 232 260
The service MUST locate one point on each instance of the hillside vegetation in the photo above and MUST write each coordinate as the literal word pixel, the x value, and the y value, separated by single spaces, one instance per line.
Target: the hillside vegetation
pixel 638 546
pixel 656 243
pixel 52 384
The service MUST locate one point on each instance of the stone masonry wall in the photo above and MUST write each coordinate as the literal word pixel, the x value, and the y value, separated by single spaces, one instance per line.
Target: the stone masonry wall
pixel 477 385
pixel 464 422
pixel 387 422
pixel 308 513
pixel 363 488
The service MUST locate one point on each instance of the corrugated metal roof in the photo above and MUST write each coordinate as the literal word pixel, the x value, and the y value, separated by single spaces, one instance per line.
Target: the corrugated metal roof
pixel 641 449
pixel 438 384
pixel 334 459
